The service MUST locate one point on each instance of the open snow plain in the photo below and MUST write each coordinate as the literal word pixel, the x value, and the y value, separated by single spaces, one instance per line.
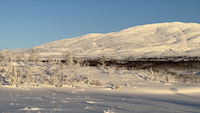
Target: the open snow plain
pixel 134 95
pixel 49 87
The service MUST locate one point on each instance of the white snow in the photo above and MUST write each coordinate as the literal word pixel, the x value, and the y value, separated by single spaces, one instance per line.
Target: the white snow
pixel 161 39
pixel 134 95
pixel 122 91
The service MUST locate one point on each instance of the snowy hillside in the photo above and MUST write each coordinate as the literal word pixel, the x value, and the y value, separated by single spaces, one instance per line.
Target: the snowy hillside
pixel 74 86
pixel 162 39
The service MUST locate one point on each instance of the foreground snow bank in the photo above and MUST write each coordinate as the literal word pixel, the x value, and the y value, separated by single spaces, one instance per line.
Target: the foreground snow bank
pixel 121 91
pixel 62 100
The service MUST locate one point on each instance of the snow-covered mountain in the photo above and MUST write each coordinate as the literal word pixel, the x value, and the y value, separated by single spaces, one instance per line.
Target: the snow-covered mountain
pixel 161 39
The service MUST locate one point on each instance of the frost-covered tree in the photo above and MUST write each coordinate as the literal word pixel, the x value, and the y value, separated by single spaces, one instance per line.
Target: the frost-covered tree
pixel 69 60
pixel 34 55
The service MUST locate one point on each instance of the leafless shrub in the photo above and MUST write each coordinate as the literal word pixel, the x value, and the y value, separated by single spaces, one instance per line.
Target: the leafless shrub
pixel 188 78
pixel 95 82
pixel 114 86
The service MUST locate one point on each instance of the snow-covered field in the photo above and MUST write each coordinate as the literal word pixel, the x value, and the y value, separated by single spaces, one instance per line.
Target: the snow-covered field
pixel 134 95
pixel 28 85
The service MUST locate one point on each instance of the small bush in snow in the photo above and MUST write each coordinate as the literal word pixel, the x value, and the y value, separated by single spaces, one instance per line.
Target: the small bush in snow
pixel 108 111
pixel 114 86
pixel 95 82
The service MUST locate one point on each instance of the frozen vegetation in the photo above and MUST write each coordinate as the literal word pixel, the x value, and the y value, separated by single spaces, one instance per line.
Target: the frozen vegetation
pixel 150 68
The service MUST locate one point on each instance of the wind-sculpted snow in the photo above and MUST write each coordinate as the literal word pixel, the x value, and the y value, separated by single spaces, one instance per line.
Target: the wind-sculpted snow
pixel 162 39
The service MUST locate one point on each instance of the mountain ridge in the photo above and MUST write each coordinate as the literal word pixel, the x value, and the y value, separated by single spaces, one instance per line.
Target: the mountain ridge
pixel 159 39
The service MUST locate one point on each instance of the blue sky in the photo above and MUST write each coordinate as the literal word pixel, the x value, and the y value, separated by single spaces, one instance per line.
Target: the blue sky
pixel 28 23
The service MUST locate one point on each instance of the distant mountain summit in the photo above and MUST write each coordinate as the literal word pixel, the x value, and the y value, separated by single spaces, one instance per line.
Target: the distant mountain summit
pixel 161 39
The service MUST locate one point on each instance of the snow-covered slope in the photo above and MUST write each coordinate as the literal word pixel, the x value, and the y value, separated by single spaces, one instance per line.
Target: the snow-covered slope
pixel 162 39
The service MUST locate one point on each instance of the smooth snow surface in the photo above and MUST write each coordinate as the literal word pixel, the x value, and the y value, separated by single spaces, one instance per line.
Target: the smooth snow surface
pixel 162 39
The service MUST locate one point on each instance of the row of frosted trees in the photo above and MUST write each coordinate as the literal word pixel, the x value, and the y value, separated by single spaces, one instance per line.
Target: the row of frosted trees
pixel 18 69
